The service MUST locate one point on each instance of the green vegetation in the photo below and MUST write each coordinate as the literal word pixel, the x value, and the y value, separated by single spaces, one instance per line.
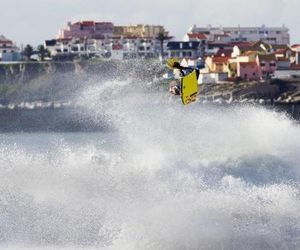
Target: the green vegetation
pixel 162 37
pixel 42 52
pixel 28 51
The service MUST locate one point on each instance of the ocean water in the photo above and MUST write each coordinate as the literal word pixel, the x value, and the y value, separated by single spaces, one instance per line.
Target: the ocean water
pixel 165 176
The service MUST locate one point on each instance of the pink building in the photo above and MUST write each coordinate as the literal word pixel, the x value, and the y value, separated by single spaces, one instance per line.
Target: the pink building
pixel 87 30
pixel 267 64
pixel 248 71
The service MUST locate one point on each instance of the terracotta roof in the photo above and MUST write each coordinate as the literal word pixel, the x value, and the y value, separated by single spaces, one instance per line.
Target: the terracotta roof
pixel 267 58
pixel 224 52
pixel 220 59
pixel 295 66
pixel 222 35
pixel 88 23
pixel 200 36
pixel 280 52
pixel 280 46
pixel 242 44
pixel 252 64
pixel 249 53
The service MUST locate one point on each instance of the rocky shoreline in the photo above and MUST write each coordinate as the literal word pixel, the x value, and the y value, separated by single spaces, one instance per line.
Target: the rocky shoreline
pixel 55 82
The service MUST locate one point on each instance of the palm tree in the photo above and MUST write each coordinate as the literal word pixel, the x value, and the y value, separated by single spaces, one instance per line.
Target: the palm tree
pixel 28 51
pixel 42 52
pixel 161 37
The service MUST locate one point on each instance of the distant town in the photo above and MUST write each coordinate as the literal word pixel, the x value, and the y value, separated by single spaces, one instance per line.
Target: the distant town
pixel 226 53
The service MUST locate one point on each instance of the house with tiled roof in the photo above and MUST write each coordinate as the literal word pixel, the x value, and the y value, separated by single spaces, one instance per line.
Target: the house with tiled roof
pixel 219 64
pixel 258 47
pixel 267 64
pixel 224 52
pixel 8 50
pixel 248 71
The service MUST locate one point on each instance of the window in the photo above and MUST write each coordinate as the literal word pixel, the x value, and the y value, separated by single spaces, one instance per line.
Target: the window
pixel 262 64
pixel 272 64
pixel 254 74
pixel 181 45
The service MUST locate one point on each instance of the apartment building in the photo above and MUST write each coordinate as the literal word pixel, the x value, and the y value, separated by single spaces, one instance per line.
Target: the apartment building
pixel 271 35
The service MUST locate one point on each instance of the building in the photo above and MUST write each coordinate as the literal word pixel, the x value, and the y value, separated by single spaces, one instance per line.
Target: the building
pixel 296 49
pixel 139 30
pixel 66 46
pixel 271 35
pixel 184 49
pixel 218 64
pixel 86 30
pixel 248 71
pixel 8 50
pixel 267 65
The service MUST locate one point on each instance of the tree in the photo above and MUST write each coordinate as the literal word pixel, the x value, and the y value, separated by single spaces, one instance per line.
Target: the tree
pixel 161 37
pixel 28 51
pixel 42 52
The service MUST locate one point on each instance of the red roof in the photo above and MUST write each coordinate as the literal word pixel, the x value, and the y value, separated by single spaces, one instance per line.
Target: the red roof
pixel 241 44
pixel 117 46
pixel 224 52
pixel 280 52
pixel 199 35
pixel 252 64
pixel 6 42
pixel 295 46
pixel 295 66
pixel 220 59
pixel 88 23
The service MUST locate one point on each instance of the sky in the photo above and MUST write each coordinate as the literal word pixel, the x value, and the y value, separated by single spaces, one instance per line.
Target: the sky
pixel 33 21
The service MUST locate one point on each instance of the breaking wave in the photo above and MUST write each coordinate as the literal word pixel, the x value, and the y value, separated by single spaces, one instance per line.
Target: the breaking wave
pixel 168 177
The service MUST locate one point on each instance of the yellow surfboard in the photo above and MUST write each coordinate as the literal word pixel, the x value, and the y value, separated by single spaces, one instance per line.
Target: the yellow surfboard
pixel 189 88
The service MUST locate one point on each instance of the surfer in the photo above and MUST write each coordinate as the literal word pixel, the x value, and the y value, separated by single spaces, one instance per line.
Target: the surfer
pixel 174 64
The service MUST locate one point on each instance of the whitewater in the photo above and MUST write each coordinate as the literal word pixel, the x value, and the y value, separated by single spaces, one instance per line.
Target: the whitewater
pixel 162 176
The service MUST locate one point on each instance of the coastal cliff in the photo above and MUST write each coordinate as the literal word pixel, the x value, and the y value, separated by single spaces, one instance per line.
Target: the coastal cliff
pixel 57 81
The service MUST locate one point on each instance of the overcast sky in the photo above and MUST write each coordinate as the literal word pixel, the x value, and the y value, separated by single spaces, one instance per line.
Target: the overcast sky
pixel 33 21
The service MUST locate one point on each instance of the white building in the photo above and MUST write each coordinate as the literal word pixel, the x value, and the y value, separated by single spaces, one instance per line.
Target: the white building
pixel 271 35
pixel 116 46
pixel 8 50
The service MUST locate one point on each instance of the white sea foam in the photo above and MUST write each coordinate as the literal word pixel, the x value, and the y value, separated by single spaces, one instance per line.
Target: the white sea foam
pixel 169 177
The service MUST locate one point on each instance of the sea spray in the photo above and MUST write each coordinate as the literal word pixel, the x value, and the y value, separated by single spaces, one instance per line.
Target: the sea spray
pixel 167 177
